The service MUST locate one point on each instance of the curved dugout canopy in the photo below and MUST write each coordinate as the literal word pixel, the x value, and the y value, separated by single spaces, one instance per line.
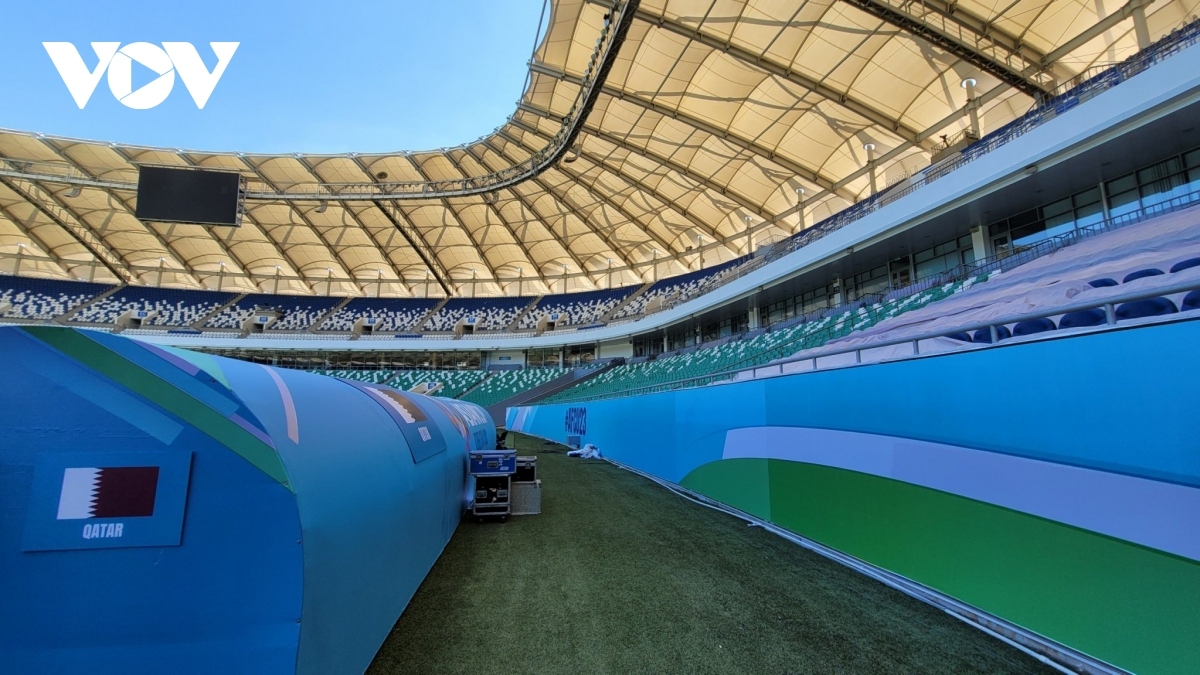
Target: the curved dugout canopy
pixel 654 137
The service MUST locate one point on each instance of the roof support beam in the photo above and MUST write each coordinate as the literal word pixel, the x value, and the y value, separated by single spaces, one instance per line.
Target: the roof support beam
pixel 561 241
pixel 345 207
pixel 606 199
pixel 458 221
pixel 603 164
pixel 330 248
pixel 667 162
pixel 1130 8
pixel 58 150
pixel 26 229
pixel 895 152
pixel 50 206
pixel 243 264
pixel 411 234
pixel 956 31
pixel 759 61
pixel 603 232
pixel 733 139
pixel 491 207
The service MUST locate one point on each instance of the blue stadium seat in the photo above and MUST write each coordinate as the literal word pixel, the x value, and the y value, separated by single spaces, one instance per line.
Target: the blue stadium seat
pixel 1191 301
pixel 1141 274
pixel 1033 326
pixel 961 337
pixel 1150 307
pixel 1185 264
pixel 1101 283
pixel 985 336
pixel 1082 319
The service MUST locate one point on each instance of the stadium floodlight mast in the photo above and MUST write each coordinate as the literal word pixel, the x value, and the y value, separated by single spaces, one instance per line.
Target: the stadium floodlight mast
pixel 799 209
pixel 870 148
pixel 969 83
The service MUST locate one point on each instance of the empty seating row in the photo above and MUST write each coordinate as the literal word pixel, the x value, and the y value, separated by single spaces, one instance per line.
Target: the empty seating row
pixel 296 312
pixel 489 313
pixel 576 309
pixel 45 299
pixel 677 288
pixel 1084 318
pixel 454 382
pixel 751 351
pixel 508 383
pixel 390 314
pixel 371 376
pixel 169 306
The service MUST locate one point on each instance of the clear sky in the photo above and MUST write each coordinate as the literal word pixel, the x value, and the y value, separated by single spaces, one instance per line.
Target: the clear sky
pixel 309 76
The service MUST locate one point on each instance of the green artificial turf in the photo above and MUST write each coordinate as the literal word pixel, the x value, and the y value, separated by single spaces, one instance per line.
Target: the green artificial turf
pixel 618 575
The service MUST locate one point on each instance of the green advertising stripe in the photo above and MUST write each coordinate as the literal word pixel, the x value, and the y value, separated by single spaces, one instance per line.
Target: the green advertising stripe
pixel 167 396
pixel 1126 604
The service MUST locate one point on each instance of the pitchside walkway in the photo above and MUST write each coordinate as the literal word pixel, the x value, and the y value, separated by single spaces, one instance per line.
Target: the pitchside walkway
pixel 619 575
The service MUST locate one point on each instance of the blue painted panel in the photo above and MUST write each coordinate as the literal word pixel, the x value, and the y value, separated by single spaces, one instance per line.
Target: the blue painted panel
pixel 374 520
pixel 424 437
pixel 228 595
pixel 262 579
pixel 1099 401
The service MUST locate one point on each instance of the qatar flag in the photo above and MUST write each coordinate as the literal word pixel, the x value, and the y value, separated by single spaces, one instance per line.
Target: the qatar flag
pixel 108 492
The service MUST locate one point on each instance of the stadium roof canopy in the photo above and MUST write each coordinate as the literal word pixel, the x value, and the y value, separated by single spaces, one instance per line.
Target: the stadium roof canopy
pixel 654 137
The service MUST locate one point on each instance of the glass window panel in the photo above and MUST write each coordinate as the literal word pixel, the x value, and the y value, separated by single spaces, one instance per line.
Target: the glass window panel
pixel 1124 202
pixel 1021 234
pixel 1163 190
pixel 923 256
pixel 1065 218
pixel 1055 208
pixel 1192 158
pixel 1122 184
pixel 1160 170
pixel 1023 219
pixel 1087 197
pixel 940 264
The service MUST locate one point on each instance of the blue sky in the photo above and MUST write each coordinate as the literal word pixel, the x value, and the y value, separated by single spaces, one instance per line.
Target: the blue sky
pixel 309 76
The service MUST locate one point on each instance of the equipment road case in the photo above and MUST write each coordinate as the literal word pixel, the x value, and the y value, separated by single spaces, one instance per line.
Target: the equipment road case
pixel 493 462
pixel 493 497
